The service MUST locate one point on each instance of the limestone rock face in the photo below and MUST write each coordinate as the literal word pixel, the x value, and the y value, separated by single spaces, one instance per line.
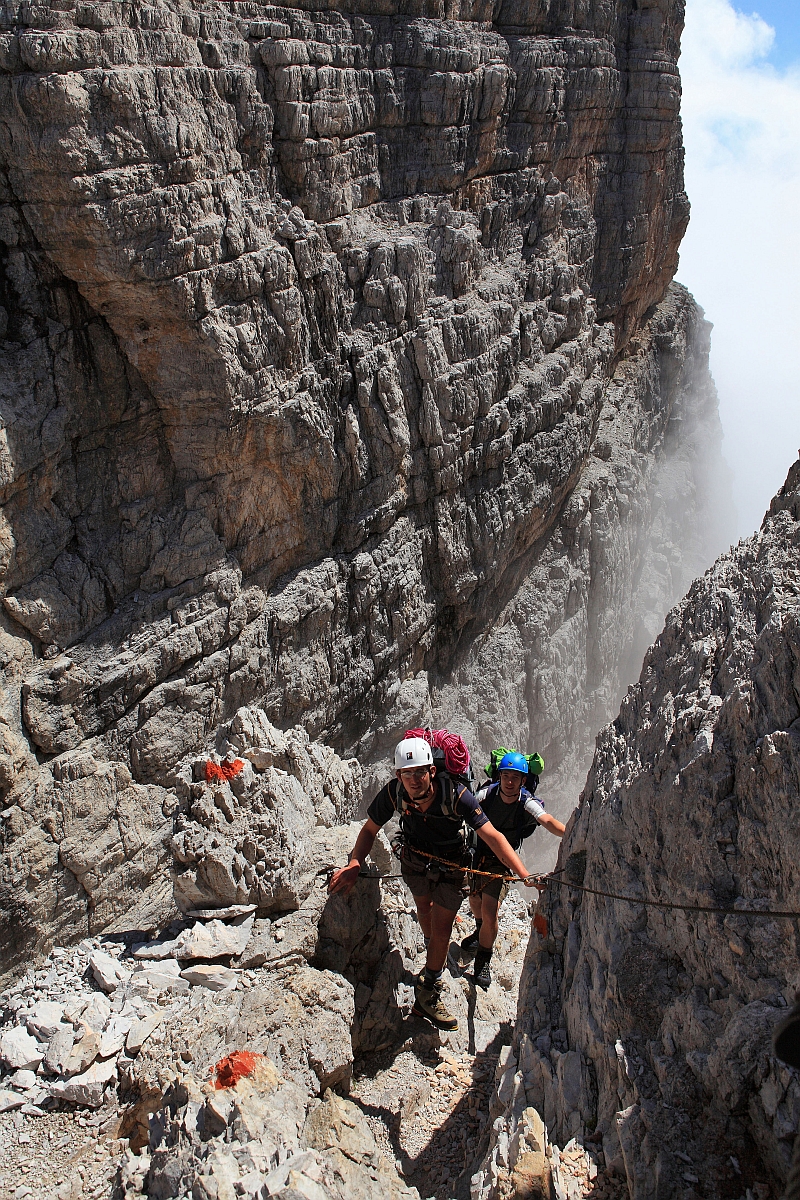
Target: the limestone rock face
pixel 250 839
pixel 308 329
pixel 553 667
pixel 262 1136
pixel 654 1025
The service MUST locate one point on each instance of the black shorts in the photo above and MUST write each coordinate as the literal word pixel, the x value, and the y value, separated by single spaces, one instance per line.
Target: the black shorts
pixel 425 878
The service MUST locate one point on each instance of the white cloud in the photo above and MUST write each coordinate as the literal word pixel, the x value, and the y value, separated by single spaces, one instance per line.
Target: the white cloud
pixel 741 255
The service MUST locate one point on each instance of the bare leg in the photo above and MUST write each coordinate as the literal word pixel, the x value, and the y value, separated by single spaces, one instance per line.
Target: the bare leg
pixel 441 928
pixel 490 908
pixel 424 905
pixel 475 906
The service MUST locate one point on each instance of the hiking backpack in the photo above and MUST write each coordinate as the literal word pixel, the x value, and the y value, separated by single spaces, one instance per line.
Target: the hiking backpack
pixel 453 766
pixel 450 754
pixel 535 767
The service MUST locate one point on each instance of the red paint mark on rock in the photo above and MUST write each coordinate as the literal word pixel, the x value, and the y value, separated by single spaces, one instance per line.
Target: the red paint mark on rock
pixel 233 1067
pixel 223 771
pixel 540 924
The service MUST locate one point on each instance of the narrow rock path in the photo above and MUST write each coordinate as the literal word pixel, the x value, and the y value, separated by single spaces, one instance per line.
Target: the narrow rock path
pixel 428 1097
pixel 428 1108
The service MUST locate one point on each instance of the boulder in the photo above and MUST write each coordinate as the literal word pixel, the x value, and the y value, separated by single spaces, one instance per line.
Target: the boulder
pixel 95 1014
pixel 222 914
pixel 59 1050
pixel 83 1053
pixel 107 971
pixel 114 1035
pixel 86 1089
pixel 18 1050
pixel 215 978
pixel 154 950
pixel 140 1031
pixel 214 939
pixel 44 1019
pixel 11 1100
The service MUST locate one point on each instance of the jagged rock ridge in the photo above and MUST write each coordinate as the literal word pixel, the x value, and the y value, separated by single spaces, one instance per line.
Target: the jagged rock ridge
pixel 654 1026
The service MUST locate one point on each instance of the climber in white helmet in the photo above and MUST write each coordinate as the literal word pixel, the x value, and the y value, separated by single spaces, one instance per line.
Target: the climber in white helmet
pixel 434 811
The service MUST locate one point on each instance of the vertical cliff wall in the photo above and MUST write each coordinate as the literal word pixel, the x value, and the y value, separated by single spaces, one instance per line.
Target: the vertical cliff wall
pixel 653 1026
pixel 312 321
pixel 645 517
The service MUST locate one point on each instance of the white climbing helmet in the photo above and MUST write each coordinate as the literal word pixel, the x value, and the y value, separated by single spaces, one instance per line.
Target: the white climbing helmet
pixel 412 752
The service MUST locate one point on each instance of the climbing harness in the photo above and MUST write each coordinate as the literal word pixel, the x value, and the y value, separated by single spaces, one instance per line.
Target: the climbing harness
pixel 397 847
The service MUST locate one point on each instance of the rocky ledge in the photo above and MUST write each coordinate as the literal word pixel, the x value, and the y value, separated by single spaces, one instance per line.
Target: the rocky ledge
pixel 260 961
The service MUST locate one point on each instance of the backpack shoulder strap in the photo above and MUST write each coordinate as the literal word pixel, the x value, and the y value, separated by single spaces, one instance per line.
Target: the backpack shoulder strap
pixel 450 795
pixel 397 794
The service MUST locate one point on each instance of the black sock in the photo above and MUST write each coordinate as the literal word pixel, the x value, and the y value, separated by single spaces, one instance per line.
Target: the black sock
pixel 478 923
pixel 482 959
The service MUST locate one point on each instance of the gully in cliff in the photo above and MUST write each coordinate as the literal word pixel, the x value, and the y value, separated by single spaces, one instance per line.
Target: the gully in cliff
pixel 433 813
pixel 516 813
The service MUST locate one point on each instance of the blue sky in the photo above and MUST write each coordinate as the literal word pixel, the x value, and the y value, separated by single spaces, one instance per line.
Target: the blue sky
pixel 784 17
pixel 740 67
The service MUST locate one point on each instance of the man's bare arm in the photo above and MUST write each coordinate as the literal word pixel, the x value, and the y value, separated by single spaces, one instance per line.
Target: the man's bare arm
pixel 552 825
pixel 499 846
pixel 344 879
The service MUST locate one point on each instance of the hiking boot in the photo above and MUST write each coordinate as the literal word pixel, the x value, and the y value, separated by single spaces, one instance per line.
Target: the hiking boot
pixel 428 1003
pixel 482 976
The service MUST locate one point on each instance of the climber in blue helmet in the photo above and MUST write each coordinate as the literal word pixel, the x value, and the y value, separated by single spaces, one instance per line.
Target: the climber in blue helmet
pixel 516 812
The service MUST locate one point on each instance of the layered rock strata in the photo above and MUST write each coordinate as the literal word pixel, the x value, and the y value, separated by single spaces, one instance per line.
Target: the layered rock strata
pixel 649 1026
pixel 551 669
pixel 308 323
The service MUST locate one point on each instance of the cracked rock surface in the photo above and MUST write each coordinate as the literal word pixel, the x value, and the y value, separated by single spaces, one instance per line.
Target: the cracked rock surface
pixel 310 325
pixel 653 1027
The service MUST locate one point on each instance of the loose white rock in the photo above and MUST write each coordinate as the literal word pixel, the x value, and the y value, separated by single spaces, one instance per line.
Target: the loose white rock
pixel 23 1079
pixel 87 1088
pixel 114 1035
pixel 222 914
pixel 168 967
pixel 83 1053
pixel 214 940
pixel 140 1032
pixel 96 1013
pixel 59 1051
pixel 159 981
pixel 107 971
pixel 212 977
pixel 9 1100
pixel 19 1050
pixel 155 950
pixel 44 1019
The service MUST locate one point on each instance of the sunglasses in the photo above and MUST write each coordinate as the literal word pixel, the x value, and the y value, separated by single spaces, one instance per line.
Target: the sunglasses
pixel 415 772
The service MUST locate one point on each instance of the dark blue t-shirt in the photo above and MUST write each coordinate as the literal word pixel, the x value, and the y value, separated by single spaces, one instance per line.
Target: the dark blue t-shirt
pixel 434 831
pixel 515 821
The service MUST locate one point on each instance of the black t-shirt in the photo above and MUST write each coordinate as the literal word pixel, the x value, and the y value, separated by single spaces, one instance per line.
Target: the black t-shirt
pixel 433 831
pixel 515 821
